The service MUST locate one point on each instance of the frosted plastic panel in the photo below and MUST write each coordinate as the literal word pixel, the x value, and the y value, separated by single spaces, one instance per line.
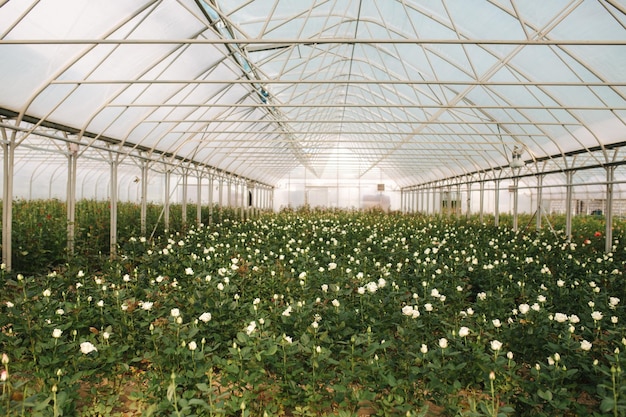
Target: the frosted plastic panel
pixel 440 102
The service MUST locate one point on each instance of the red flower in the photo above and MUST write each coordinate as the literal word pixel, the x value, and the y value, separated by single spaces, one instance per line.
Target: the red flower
pixel 597 234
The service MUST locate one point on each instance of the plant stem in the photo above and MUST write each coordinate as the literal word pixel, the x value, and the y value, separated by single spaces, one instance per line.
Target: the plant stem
pixel 210 374
pixel 613 380
pixel 492 377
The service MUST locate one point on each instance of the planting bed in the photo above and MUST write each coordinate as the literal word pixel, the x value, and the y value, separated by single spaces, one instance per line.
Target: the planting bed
pixel 331 313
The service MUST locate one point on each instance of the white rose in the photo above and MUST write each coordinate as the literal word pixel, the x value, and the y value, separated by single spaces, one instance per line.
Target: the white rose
pixel 560 317
pixel 496 345
pixel 87 347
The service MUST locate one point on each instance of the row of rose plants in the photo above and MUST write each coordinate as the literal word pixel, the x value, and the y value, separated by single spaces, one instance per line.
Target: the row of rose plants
pixel 324 313
pixel 40 229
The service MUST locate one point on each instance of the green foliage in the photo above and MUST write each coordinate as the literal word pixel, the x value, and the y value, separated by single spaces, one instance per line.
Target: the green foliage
pixel 322 312
pixel 40 230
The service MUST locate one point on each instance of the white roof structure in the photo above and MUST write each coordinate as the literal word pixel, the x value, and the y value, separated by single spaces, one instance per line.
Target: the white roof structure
pixel 424 91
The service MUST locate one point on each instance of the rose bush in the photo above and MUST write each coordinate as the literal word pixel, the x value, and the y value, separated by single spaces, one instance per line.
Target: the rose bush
pixel 325 312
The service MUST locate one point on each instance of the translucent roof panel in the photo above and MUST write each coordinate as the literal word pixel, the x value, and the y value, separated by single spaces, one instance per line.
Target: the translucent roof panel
pixel 420 90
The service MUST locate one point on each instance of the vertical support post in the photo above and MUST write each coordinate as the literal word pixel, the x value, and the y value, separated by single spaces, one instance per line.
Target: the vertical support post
pixel 71 195
pixel 183 208
pixel 496 216
pixel 407 201
pixel 220 199
pixel 166 204
pixel 539 201
pixel 468 207
pixel 229 192
pixel 418 199
pixel 113 198
pixel 210 199
pixel 7 199
pixel 243 201
pixel 569 176
pixel 459 208
pixel 144 197
pixel 608 215
pixel 402 200
pixel 481 205
pixel 449 203
pixel 515 202
pixel 199 200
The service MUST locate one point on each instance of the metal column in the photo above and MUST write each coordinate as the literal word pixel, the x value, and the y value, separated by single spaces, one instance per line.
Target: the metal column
pixel 482 200
pixel 468 210
pixel 183 208
pixel 144 196
pixel 458 210
pixel 515 200
pixel 243 200
pixel 229 193
pixel 608 218
pixel 199 200
pixel 210 199
pixel 113 197
pixel 569 175
pixel 166 204
pixel 7 199
pixel 71 195
pixel 539 213
pixel 220 199
pixel 496 216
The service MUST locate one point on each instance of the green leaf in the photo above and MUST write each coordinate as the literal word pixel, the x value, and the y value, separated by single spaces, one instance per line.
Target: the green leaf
pixel 242 338
pixel 546 395
pixel 607 404
pixel 198 401
pixel 272 350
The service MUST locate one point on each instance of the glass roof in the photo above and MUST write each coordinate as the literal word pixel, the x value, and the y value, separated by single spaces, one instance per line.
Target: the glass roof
pixel 419 90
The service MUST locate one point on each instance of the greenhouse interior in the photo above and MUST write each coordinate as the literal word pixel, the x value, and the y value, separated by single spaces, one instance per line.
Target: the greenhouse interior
pixel 313 208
